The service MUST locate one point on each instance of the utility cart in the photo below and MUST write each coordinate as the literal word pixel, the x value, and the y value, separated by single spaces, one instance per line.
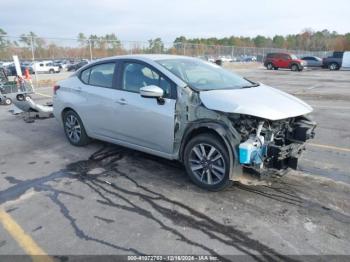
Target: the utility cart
pixel 10 89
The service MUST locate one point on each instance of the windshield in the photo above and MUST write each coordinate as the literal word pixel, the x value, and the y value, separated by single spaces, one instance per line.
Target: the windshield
pixel 202 75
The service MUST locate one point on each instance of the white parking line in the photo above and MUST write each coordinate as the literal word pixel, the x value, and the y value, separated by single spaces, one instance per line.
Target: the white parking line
pixel 40 94
pixel 330 147
pixel 332 107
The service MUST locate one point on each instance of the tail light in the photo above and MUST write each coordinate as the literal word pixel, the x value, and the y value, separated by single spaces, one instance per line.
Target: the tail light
pixel 55 88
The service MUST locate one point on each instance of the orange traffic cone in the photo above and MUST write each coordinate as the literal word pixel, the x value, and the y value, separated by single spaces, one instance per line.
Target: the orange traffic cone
pixel 27 75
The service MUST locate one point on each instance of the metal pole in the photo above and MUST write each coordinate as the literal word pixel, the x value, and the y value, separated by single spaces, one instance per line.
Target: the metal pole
pixel 184 48
pixel 90 50
pixel 33 60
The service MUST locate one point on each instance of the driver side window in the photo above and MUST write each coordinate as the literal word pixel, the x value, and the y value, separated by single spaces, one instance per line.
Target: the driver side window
pixel 137 75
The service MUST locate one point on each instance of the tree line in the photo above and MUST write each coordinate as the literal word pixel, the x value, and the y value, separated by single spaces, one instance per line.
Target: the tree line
pixel 306 40
pixel 109 44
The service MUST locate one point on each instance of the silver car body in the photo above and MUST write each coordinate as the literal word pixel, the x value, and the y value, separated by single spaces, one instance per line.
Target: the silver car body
pixel 313 61
pixel 140 123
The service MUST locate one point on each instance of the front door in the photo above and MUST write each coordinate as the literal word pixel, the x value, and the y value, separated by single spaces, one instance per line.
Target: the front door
pixel 145 122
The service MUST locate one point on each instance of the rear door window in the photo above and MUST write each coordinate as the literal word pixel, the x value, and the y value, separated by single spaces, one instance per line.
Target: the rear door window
pixel 99 75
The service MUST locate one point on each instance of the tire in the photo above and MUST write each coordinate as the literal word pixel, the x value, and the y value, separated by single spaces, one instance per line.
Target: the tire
pixel 51 71
pixel 8 101
pixel 333 66
pixel 269 66
pixel 294 67
pixel 208 170
pixel 74 129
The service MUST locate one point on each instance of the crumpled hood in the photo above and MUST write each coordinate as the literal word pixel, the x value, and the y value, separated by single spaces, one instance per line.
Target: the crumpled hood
pixel 261 101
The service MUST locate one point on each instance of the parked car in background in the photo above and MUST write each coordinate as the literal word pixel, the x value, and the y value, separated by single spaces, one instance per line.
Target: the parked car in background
pixel 76 66
pixel 211 59
pixel 334 61
pixel 249 58
pixel 62 64
pixel 312 61
pixel 213 121
pixel 5 70
pixel 5 64
pixel 11 70
pixel 225 58
pixel 284 60
pixel 45 67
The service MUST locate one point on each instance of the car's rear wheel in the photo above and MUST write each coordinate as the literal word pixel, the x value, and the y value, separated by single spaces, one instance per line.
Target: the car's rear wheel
pixel 333 66
pixel 295 67
pixel 207 162
pixel 74 129
pixel 269 66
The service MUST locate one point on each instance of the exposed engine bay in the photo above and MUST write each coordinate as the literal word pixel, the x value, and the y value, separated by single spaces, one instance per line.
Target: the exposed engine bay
pixel 270 144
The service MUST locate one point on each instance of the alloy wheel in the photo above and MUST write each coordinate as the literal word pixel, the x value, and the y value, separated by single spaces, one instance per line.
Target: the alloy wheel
pixel 333 66
pixel 207 164
pixel 73 128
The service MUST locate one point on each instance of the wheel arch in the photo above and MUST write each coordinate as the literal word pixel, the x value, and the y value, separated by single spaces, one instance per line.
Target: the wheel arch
pixel 219 130
pixel 66 109
pixel 293 63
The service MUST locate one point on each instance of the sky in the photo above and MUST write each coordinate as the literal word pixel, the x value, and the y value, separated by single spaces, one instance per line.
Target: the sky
pixel 140 20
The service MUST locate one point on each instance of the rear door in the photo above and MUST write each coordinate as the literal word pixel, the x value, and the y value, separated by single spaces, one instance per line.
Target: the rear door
pixel 98 89
pixel 145 122
pixel 284 60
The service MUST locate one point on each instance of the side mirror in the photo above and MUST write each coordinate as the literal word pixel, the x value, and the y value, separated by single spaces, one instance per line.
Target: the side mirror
pixel 151 91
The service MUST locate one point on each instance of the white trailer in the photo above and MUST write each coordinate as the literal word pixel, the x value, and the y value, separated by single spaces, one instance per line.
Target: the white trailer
pixel 346 61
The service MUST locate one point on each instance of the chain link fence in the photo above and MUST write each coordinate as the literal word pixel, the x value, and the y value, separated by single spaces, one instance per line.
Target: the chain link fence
pixel 30 48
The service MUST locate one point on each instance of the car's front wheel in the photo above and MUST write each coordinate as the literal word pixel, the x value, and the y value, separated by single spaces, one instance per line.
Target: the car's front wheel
pixel 295 67
pixel 74 129
pixel 207 162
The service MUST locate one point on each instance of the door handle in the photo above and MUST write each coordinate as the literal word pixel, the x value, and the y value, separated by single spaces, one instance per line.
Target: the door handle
pixel 122 101
pixel 78 89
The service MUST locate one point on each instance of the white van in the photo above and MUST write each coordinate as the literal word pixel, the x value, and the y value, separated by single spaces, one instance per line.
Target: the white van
pixel 45 67
pixel 346 61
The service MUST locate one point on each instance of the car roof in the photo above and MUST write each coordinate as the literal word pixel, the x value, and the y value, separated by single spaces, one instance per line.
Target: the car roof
pixel 153 57
pixel 148 58
pixel 279 53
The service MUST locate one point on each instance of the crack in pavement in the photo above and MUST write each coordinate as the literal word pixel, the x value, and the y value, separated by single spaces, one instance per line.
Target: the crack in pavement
pixel 196 220
pixel 178 213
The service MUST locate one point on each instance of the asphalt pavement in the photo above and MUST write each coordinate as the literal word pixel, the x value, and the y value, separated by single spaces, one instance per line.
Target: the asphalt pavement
pixel 107 200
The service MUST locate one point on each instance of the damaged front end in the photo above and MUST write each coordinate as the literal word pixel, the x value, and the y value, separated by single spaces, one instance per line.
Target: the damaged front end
pixel 268 145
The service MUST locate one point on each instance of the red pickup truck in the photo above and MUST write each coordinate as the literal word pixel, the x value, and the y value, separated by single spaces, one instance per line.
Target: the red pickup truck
pixel 284 60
